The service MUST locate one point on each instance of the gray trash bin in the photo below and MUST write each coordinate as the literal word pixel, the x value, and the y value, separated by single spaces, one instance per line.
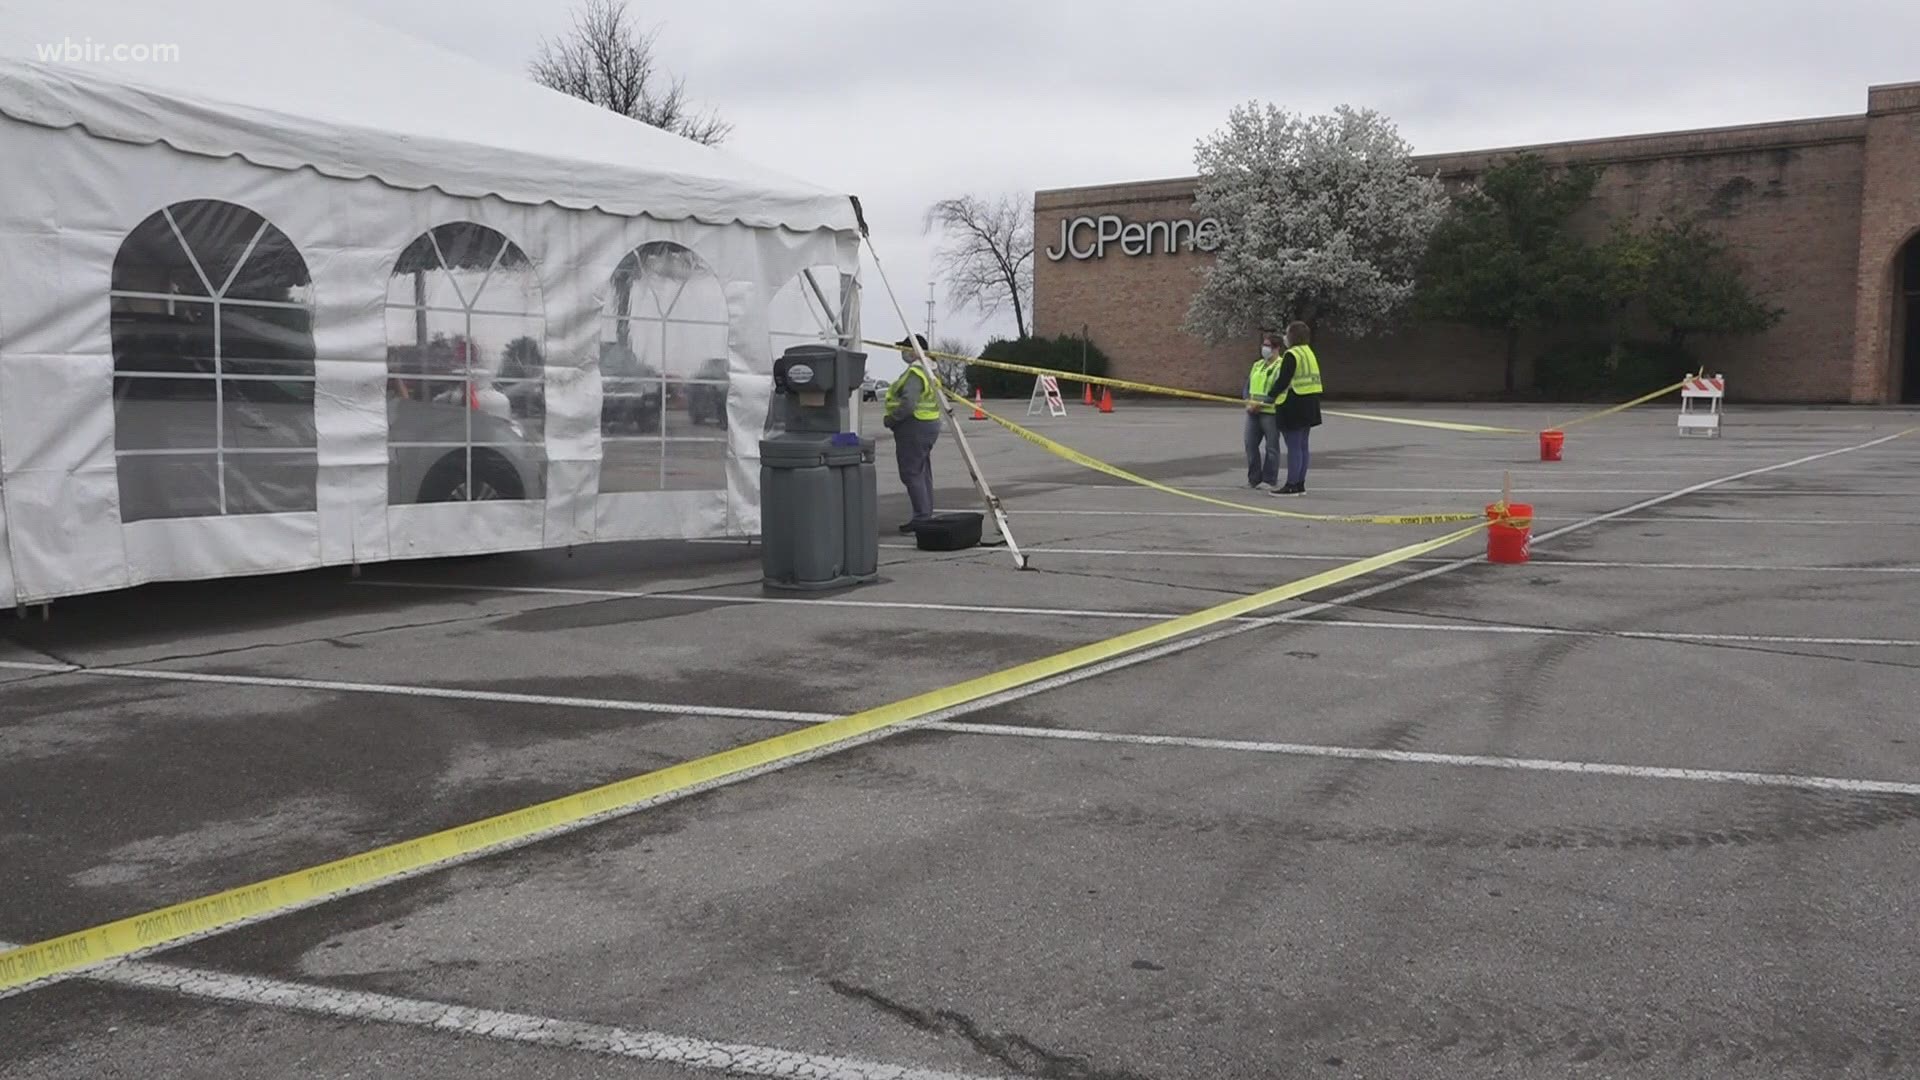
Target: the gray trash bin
pixel 861 499
pixel 818 523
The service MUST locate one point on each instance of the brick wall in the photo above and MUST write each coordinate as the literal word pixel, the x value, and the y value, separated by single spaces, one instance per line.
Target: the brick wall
pixel 1889 216
pixel 1787 198
pixel 1131 305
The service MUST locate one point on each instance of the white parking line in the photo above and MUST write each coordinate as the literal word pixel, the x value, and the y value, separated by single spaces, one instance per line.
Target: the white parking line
pixel 1092 671
pixel 723 600
pixel 737 1059
pixel 1522 470
pixel 1336 488
pixel 793 716
pixel 335 686
pixel 1150 553
pixel 946 721
pixel 1663 520
pixel 1625 512
pixel 1784 568
pixel 1238 515
pixel 1258 620
pixel 1637 635
pixel 1733 519
pixel 394 690
pixel 1477 761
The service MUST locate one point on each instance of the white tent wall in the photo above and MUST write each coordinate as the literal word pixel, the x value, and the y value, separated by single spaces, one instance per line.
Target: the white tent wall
pixel 6 555
pixel 314 85
pixel 69 200
pixel 6 558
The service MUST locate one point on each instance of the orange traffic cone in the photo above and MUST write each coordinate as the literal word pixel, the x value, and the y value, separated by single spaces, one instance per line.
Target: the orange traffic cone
pixel 978 414
pixel 1087 398
pixel 1106 400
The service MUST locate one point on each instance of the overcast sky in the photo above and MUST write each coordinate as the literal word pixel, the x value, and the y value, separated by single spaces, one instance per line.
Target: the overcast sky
pixel 904 102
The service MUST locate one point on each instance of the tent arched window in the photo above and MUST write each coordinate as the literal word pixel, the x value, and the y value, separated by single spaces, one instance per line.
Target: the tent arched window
pixel 808 310
pixel 212 329
pixel 466 370
pixel 664 345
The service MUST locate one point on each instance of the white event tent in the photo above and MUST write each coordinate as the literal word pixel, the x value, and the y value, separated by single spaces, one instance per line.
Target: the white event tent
pixel 282 288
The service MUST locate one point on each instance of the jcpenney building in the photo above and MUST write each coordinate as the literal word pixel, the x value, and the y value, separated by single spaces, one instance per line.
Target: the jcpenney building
pixel 1824 213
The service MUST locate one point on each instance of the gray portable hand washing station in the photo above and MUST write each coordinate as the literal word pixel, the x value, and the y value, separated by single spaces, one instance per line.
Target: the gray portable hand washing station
pixel 818 523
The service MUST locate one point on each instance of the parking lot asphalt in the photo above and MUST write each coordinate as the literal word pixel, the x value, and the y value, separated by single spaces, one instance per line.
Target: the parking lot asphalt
pixel 1647 806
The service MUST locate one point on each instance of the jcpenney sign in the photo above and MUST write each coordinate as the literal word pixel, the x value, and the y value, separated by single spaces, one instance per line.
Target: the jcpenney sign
pixel 1089 237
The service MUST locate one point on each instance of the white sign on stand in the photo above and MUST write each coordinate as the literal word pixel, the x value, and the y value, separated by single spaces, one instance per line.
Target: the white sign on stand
pixel 1048 387
pixel 1700 401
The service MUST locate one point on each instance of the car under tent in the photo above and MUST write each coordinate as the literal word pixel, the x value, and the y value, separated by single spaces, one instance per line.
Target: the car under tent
pixel 293 290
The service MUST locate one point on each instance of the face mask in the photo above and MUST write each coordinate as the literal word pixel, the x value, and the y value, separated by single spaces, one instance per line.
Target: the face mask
pixel 1266 352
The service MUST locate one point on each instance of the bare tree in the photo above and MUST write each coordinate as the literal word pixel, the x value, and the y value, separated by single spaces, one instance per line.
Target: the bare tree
pixel 953 372
pixel 608 60
pixel 987 255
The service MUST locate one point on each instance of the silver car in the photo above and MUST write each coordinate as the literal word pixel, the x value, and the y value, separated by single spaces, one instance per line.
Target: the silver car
pixel 166 429
pixel 507 463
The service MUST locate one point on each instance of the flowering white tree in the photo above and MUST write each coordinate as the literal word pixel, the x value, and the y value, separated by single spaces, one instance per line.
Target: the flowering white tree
pixel 1322 218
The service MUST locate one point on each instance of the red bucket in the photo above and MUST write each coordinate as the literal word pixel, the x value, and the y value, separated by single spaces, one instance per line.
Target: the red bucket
pixel 1550 444
pixel 1510 532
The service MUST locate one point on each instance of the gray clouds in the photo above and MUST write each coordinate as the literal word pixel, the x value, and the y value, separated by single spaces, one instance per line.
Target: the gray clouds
pixel 906 102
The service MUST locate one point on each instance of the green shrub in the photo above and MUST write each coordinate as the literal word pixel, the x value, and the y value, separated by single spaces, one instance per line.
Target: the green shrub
pixel 1601 371
pixel 1062 354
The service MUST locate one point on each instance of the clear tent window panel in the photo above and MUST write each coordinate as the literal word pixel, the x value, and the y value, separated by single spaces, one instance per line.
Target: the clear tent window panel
pixel 808 310
pixel 211 319
pixel 664 375
pixel 466 369
pixel 695 464
pixel 266 341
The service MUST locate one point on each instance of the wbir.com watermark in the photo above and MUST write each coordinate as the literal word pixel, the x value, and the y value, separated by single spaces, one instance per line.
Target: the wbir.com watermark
pixel 89 51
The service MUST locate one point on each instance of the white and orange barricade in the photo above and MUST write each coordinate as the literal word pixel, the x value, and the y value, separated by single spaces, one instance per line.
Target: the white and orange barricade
pixel 1701 398
pixel 1046 389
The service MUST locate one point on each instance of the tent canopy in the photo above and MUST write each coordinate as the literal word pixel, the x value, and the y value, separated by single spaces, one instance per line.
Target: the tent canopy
pixel 310 85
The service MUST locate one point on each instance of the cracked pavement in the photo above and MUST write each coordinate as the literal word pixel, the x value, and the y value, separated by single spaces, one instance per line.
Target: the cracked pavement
pixel 956 903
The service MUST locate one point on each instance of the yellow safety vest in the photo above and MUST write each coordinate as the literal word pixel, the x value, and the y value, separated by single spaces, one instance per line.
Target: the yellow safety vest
pixel 926 406
pixel 1260 381
pixel 1306 372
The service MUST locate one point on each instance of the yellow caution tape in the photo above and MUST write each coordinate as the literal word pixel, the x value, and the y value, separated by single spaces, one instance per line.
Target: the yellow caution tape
pixel 1197 395
pixel 1662 392
pixel 170 925
pixel 1096 380
pixel 1070 454
pixel 1442 425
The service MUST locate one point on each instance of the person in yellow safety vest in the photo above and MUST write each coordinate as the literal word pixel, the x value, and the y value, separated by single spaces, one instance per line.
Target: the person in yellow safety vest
pixel 1295 392
pixel 913 415
pixel 1263 433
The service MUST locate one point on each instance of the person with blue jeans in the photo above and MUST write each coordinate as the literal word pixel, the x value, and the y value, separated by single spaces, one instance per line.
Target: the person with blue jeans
pixel 1295 393
pixel 1263 433
pixel 913 415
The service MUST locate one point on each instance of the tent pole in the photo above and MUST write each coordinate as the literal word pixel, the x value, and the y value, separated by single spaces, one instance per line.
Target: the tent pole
pixel 841 320
pixel 996 516
pixel 850 330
